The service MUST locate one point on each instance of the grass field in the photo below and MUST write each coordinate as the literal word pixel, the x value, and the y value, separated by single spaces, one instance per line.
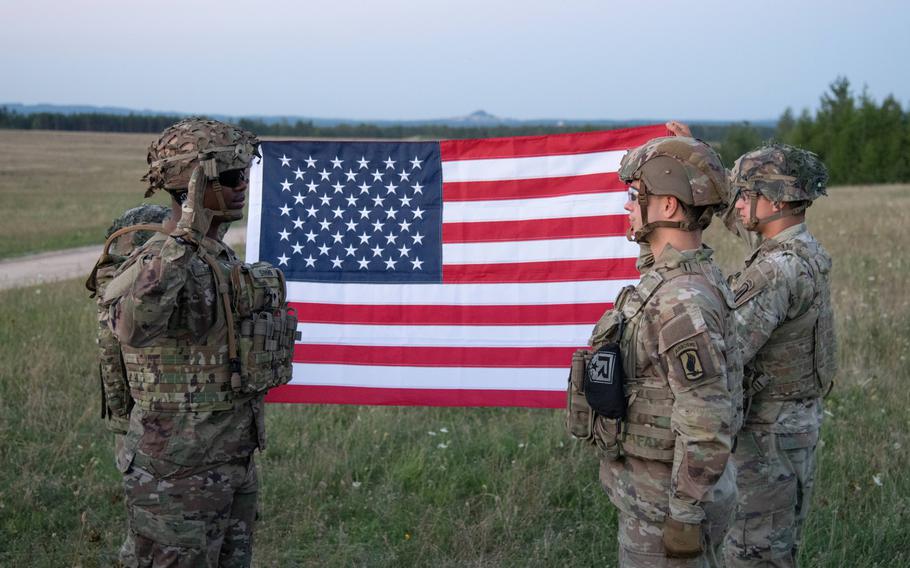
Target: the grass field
pixel 379 486
pixel 63 188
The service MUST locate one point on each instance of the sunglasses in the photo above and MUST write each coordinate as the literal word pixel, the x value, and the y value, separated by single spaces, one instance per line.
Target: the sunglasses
pixel 232 178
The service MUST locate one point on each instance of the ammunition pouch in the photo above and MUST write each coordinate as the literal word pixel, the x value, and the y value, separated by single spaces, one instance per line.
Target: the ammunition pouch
pixel 582 422
pixel 266 348
pixel 267 329
pixel 579 416
pixel 116 402
pixel 608 437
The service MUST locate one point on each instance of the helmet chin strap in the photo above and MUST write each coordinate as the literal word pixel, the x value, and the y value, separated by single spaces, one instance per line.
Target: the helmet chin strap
pixel 754 222
pixel 641 235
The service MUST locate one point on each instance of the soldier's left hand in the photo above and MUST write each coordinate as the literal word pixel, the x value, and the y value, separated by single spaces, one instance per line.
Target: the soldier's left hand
pixel 679 128
pixel 682 540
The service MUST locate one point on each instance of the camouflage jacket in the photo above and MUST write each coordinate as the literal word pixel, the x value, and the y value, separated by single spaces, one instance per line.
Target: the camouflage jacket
pixel 163 292
pixel 791 290
pixel 678 346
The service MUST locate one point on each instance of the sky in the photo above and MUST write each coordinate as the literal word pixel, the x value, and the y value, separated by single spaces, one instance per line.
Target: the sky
pixel 405 60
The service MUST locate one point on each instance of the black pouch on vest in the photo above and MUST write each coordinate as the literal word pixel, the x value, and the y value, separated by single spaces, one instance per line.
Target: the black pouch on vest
pixel 604 380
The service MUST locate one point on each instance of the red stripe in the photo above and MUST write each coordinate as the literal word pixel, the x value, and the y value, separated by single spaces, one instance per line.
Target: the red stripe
pixel 315 394
pixel 552 314
pixel 397 356
pixel 525 188
pixel 536 229
pixel 545 271
pixel 549 145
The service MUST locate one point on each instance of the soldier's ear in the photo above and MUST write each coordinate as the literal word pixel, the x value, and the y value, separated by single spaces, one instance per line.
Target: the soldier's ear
pixel 671 206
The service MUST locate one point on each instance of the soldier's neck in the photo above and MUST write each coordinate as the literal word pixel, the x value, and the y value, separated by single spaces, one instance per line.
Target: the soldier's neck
pixel 773 228
pixel 678 239
pixel 170 224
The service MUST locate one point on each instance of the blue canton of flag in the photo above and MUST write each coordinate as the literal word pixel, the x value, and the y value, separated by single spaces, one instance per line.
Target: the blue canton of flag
pixel 353 211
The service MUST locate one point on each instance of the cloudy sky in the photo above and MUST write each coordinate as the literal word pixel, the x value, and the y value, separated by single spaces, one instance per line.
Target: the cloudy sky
pixel 396 59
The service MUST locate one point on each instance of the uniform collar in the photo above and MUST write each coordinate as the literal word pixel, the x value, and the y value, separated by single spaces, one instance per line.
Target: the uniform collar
pixel 788 234
pixel 671 258
pixel 216 247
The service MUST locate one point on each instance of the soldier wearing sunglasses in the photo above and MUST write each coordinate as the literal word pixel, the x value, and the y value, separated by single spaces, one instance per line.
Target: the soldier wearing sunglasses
pixel 196 339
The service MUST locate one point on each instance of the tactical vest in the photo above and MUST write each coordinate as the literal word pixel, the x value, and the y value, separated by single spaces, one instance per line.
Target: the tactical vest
pixel 798 361
pixel 248 351
pixel 646 431
pixel 116 402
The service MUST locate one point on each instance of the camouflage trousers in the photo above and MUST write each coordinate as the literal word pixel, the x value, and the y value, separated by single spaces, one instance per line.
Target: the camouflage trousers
pixel 776 473
pixel 202 519
pixel 640 489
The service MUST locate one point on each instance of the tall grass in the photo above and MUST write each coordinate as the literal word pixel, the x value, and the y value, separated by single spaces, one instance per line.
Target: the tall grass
pixel 380 486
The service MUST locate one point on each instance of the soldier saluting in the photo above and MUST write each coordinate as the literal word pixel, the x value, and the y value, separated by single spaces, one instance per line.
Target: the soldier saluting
pixel 664 380
pixel 201 337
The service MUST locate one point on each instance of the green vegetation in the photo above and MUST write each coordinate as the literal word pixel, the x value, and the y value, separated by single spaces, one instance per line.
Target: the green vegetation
pixel 85 122
pixel 861 141
pixel 63 189
pixel 380 486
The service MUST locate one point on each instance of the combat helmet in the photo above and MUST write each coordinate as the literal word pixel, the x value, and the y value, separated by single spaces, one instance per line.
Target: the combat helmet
pixel 213 146
pixel 781 173
pixel 685 168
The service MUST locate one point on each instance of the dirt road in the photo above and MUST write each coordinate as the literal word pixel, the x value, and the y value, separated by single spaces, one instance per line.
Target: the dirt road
pixel 65 264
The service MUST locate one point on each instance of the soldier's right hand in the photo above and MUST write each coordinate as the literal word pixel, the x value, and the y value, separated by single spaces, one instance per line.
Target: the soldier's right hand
pixel 195 219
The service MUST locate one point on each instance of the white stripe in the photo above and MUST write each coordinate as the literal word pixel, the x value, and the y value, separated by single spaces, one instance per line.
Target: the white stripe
pixel 598 291
pixel 254 214
pixel 533 251
pixel 430 377
pixel 492 169
pixel 445 335
pixel 585 205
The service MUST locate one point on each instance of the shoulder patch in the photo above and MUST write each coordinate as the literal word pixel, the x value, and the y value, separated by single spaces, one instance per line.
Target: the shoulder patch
pixel 751 282
pixel 687 353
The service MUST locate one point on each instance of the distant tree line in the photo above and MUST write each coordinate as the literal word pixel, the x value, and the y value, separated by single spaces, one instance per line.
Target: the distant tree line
pixel 99 122
pixel 93 122
pixel 403 132
pixel 860 140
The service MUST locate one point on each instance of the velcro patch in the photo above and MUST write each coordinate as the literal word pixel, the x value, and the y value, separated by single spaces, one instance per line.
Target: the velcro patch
pixel 743 289
pixel 601 368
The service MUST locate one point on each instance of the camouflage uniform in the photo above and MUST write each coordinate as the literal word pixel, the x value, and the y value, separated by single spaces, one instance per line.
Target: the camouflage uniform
pixel 669 457
pixel 786 333
pixel 184 309
pixel 677 438
pixel 183 470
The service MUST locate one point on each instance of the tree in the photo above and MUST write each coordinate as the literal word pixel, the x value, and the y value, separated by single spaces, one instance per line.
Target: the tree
pixel 739 139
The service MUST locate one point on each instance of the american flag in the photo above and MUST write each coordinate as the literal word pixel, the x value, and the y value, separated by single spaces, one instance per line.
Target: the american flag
pixel 452 273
